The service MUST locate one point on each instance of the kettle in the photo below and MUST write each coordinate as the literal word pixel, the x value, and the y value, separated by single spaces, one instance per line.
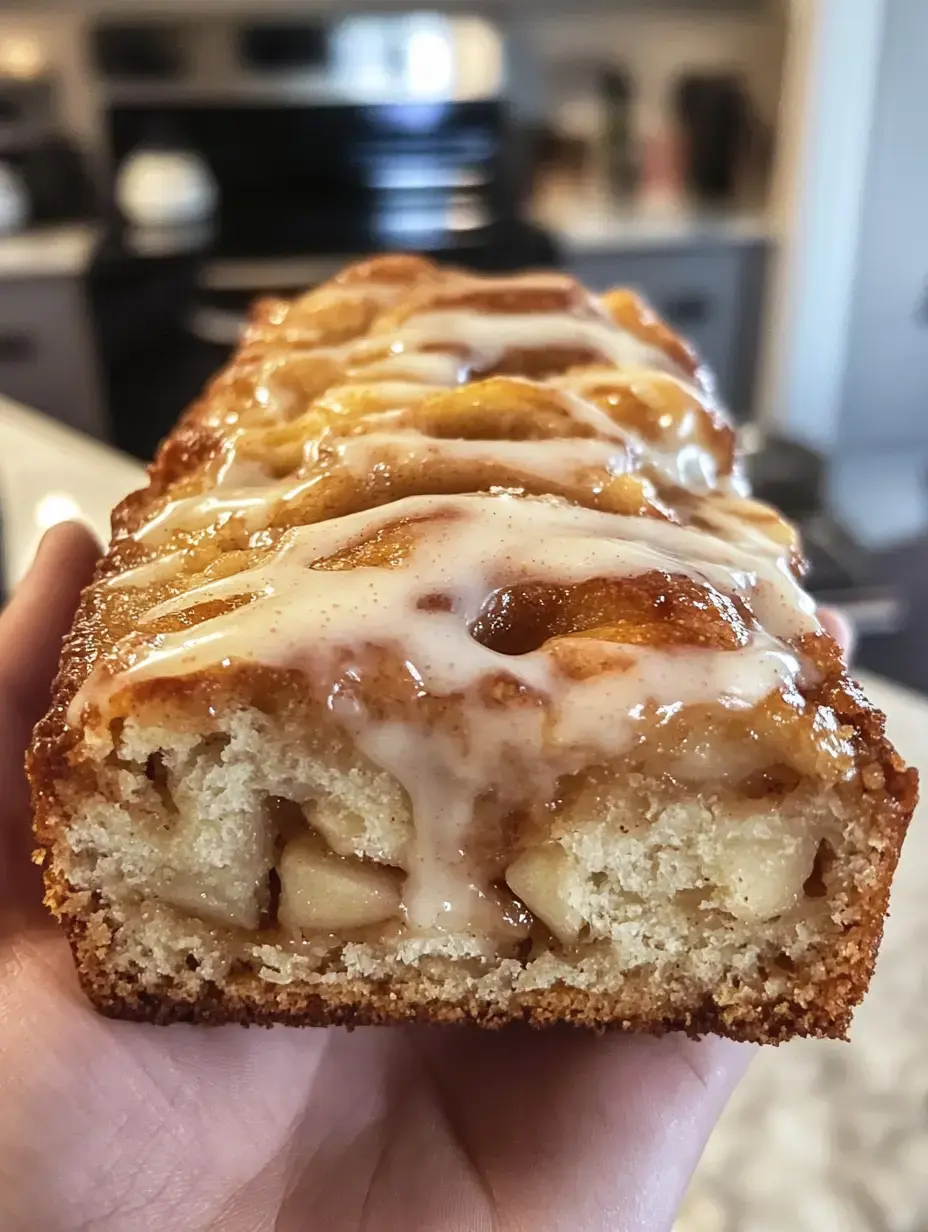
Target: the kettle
pixel 165 188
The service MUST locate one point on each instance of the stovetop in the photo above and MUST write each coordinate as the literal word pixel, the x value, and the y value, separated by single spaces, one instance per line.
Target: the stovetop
pixel 253 233
pixel 166 321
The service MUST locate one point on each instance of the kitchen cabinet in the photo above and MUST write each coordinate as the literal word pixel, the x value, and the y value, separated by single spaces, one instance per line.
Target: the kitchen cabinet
pixel 695 8
pixel 47 358
pixel 711 294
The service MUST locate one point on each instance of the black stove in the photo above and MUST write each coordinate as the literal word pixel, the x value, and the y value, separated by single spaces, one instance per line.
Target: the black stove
pixel 303 189
pixel 169 306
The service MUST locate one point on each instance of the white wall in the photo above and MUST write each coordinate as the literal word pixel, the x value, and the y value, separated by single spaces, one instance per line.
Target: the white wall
pixel 885 393
pixel 832 79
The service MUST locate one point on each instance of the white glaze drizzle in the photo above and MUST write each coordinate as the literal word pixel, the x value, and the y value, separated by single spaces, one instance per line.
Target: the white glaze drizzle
pixel 425 347
pixel 391 395
pixel 689 465
pixel 499 539
pixel 486 337
pixel 427 367
pixel 150 573
pixel 466 549
pixel 555 461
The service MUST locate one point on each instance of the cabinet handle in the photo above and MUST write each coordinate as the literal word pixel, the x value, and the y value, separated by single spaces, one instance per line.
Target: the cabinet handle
pixel 688 311
pixel 16 347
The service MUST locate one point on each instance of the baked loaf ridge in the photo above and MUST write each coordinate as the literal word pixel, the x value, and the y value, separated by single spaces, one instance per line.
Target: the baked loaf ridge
pixel 444 670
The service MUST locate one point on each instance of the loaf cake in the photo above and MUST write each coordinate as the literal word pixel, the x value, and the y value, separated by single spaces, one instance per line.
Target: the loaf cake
pixel 446 671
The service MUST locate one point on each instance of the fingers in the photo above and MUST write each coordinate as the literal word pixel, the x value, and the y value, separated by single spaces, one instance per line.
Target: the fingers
pixel 573 1130
pixel 31 631
pixel 840 628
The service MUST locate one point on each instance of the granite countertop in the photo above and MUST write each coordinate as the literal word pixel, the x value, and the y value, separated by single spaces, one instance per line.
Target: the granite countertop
pixel 585 218
pixel 821 1136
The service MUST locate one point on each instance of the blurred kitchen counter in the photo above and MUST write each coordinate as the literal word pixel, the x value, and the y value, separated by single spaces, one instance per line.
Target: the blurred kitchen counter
pixel 583 218
pixel 51 251
pixel 830 1137
pixel 48 474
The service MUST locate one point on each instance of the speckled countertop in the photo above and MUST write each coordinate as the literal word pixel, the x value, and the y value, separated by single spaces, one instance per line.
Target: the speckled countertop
pixel 585 218
pixel 829 1137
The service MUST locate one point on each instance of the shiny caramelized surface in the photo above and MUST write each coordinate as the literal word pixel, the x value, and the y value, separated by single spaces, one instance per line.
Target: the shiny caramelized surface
pixel 381 409
pixel 329 410
pixel 493 533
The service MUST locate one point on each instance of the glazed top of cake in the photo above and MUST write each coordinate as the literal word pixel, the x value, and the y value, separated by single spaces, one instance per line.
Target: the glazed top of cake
pixel 497 529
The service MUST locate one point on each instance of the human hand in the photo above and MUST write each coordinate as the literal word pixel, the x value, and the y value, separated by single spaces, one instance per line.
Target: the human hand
pixel 118 1127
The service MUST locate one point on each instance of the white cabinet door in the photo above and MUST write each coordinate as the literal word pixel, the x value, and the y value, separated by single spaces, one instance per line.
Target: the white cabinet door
pixel 885 397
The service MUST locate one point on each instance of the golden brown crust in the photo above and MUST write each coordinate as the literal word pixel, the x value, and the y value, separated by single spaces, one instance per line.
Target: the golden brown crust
pixel 820 1006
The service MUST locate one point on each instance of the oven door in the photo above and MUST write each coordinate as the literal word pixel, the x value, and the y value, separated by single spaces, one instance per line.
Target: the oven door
pixel 153 365
pixel 227 286
pixel 166 326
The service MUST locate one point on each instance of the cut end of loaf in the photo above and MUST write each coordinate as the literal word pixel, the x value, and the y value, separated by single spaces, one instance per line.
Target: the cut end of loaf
pixel 238 874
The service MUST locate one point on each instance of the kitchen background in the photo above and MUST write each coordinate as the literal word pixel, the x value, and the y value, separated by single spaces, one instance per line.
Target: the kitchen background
pixel 757 167
pixel 161 164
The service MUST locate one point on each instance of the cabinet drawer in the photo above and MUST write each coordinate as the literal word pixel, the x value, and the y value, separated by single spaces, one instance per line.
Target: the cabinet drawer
pixel 46 350
pixel 699 294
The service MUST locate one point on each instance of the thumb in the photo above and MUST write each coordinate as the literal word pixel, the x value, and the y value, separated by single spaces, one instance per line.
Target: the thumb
pixel 39 614
pixel 32 627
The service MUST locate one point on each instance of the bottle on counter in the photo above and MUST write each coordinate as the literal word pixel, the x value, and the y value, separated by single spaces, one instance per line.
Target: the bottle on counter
pixel 715 118
pixel 661 184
